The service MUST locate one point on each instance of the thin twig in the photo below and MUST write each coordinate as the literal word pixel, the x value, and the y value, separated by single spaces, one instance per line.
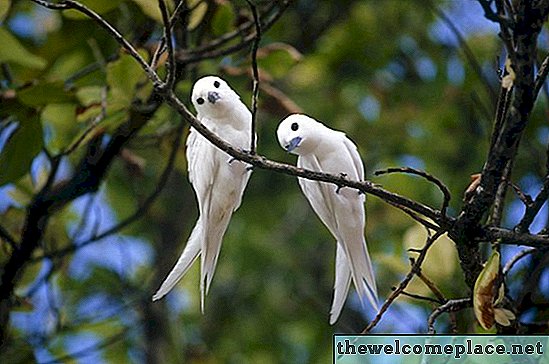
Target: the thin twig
pixel 490 14
pixel 468 52
pixel 514 260
pixel 432 286
pixel 416 267
pixel 191 57
pixel 450 306
pixel 541 77
pixel 161 48
pixel 170 78
pixel 140 211
pixel 441 186
pixel 255 93
pixel 534 207
pixel 419 297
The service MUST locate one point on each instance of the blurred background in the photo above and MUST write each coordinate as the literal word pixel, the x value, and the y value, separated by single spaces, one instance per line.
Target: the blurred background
pixel 394 75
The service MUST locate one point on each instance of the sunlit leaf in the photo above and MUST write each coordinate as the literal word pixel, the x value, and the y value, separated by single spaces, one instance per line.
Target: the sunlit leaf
pixel 199 10
pixel 123 75
pixel 61 118
pixel 4 8
pixel 14 52
pixel 24 144
pixel 484 292
pixel 150 8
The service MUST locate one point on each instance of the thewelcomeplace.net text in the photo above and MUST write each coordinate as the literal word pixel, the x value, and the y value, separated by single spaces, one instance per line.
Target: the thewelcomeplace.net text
pixel 347 347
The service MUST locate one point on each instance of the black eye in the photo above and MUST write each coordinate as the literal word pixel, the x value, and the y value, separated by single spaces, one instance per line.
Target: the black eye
pixel 200 101
pixel 295 126
pixel 216 84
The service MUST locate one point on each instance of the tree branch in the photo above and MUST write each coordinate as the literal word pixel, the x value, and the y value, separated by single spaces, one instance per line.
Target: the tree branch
pixel 255 92
pixel 441 186
pixel 450 306
pixel 416 267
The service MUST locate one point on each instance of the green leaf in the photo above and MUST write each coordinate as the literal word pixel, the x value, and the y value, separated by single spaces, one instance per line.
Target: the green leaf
pixel 44 93
pixel 223 19
pixel 123 75
pixel 99 6
pixel 278 58
pixel 13 51
pixel 4 8
pixel 150 9
pixel 62 120
pixel 200 9
pixel 24 144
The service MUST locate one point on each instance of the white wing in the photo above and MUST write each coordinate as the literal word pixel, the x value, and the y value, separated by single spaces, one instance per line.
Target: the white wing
pixel 343 213
pixel 200 166
pixel 318 195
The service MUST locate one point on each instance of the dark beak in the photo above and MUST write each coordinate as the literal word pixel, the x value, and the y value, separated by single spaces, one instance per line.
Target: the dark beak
pixel 294 143
pixel 213 97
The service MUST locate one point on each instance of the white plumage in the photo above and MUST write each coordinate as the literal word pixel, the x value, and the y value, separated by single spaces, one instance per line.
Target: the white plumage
pixel 217 179
pixel 342 211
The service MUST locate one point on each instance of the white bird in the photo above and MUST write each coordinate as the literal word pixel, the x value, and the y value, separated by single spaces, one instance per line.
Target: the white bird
pixel 218 180
pixel 322 149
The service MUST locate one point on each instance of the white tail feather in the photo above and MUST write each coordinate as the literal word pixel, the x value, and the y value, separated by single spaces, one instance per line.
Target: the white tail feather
pixel 342 283
pixel 189 255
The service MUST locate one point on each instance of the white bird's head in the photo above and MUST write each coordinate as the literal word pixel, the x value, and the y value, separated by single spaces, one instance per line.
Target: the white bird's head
pixel 299 134
pixel 212 96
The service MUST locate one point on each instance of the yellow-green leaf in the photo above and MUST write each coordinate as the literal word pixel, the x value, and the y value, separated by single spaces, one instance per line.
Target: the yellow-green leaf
pixel 123 75
pixel 484 292
pixel 150 9
pixel 61 118
pixel 4 8
pixel 11 50
pixel 23 145
pixel 199 10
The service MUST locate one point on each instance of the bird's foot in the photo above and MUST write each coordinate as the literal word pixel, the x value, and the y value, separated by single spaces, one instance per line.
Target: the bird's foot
pixel 339 187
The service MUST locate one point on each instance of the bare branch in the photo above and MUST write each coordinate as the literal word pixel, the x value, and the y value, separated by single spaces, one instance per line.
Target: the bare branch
pixel 418 297
pixel 514 260
pixel 192 57
pixel 541 77
pixel 416 267
pixel 441 186
pixel 139 212
pixel 255 93
pixel 471 58
pixel 450 306
pixel 490 14
pixel 161 48
pixel 514 238
pixel 170 78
